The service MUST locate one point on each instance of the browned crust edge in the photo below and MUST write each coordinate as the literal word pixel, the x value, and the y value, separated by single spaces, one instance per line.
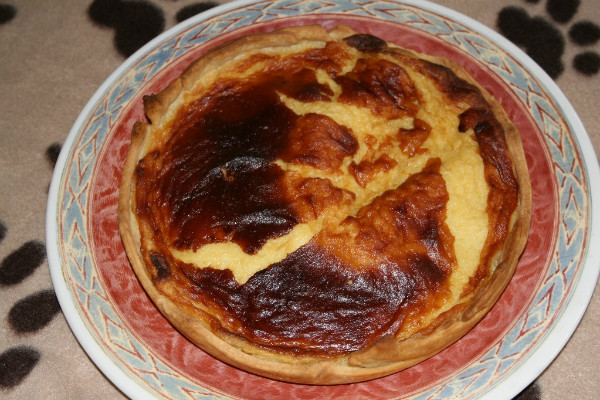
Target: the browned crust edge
pixel 387 355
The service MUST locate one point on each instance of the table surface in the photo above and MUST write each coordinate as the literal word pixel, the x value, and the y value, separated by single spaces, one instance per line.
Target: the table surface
pixel 54 57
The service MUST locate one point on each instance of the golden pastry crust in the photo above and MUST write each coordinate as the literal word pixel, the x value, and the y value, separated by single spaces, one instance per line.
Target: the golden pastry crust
pixel 339 249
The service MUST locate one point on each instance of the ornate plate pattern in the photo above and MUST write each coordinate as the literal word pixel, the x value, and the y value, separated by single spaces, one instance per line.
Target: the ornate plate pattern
pixel 144 356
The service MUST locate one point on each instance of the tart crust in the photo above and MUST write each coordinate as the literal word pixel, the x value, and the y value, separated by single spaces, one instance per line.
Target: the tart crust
pixel 385 355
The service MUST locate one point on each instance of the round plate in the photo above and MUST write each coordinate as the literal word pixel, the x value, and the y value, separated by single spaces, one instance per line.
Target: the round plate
pixel 143 355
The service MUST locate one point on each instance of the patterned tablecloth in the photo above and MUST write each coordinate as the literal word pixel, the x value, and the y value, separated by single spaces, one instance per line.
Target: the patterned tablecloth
pixel 55 55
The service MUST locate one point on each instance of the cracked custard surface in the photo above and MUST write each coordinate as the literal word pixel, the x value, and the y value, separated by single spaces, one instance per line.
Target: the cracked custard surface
pixel 315 199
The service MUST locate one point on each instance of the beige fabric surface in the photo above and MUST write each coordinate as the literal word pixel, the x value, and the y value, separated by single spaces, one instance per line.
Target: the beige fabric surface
pixel 53 58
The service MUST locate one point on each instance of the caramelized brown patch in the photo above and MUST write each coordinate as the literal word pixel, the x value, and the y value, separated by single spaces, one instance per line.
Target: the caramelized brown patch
pixel 217 182
pixel 253 60
pixel 365 171
pixel 318 141
pixel 309 303
pixel 303 86
pixel 330 59
pixel 457 89
pixel 381 86
pixel 162 267
pixel 308 197
pixel 366 43
pixel 477 119
pixel 411 140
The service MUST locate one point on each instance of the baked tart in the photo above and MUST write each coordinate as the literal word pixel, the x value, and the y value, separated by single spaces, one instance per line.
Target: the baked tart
pixel 323 207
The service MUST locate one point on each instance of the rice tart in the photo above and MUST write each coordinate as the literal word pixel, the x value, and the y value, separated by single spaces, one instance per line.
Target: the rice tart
pixel 323 207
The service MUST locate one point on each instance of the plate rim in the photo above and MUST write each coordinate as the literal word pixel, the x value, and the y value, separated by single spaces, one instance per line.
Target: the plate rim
pixel 538 358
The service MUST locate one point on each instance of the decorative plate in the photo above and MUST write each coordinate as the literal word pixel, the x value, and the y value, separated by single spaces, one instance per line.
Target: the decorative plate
pixel 144 356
